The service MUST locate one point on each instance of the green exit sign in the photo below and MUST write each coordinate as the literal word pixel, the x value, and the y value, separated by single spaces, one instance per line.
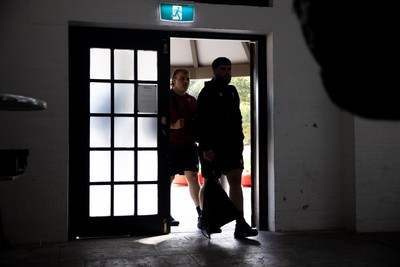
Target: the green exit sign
pixel 176 12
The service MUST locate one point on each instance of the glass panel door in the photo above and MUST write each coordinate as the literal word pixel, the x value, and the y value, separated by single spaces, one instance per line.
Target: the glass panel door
pixel 122 132
pixel 118 163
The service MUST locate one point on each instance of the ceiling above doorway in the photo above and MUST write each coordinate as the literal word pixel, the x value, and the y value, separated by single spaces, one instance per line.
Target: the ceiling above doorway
pixel 197 55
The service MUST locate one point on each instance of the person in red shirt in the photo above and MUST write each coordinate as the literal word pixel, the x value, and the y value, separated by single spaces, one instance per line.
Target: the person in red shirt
pixel 183 147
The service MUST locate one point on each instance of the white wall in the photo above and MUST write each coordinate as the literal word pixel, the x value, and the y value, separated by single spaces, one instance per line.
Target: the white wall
pixel 310 177
pixel 377 175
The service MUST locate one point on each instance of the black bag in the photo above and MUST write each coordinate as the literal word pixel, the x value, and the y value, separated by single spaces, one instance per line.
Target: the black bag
pixel 218 208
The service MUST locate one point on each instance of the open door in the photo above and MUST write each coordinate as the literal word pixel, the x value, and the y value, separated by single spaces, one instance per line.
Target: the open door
pixel 119 179
pixel 247 53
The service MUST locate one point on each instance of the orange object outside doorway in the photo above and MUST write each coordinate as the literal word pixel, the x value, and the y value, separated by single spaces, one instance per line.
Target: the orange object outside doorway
pixel 180 180
pixel 246 179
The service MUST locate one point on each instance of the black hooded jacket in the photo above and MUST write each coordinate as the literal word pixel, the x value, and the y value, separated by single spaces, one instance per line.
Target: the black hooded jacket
pixel 219 121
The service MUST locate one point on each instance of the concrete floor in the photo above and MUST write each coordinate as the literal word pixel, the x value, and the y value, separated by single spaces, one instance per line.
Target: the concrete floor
pixel 186 246
pixel 192 249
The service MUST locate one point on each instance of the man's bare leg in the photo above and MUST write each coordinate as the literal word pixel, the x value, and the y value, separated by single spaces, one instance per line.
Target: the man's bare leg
pixel 194 186
pixel 234 178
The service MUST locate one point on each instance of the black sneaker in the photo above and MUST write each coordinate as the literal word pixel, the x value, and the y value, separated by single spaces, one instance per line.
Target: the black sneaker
pixel 244 230
pixel 201 226
pixel 173 222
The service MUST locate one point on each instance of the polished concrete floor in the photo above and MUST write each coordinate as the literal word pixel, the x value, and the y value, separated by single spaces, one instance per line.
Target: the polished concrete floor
pixel 186 246
pixel 192 249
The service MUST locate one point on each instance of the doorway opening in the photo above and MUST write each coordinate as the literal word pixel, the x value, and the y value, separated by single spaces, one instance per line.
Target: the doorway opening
pixel 196 55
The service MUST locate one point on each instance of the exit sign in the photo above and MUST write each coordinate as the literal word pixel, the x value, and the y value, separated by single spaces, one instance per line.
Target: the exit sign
pixel 176 12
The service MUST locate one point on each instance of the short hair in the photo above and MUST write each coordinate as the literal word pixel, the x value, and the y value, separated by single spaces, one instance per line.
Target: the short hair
pixel 221 61
pixel 176 73
pixel 179 71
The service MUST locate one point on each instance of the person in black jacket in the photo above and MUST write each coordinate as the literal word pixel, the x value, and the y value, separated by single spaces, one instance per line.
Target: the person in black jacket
pixel 220 137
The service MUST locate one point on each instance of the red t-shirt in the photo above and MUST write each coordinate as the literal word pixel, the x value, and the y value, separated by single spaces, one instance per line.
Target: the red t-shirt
pixel 183 108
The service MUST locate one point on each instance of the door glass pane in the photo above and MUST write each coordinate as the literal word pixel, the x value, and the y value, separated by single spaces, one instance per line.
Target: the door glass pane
pixel 100 97
pixel 147 166
pixel 100 63
pixel 100 132
pixel 123 166
pixel 147 98
pixel 100 200
pixel 147 199
pixel 123 64
pixel 124 132
pixel 100 167
pixel 124 98
pixel 124 200
pixel 147 132
pixel 147 65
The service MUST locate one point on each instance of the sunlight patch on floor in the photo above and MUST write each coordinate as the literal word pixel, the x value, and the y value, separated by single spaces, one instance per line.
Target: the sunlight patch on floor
pixel 154 240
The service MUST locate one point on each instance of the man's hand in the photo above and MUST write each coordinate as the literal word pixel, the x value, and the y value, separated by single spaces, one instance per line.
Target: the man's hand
pixel 179 124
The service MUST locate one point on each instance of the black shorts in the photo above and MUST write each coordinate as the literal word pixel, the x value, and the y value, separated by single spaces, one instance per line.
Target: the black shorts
pixel 225 160
pixel 183 159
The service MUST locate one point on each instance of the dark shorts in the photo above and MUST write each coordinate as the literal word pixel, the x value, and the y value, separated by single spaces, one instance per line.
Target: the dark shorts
pixel 183 159
pixel 225 160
